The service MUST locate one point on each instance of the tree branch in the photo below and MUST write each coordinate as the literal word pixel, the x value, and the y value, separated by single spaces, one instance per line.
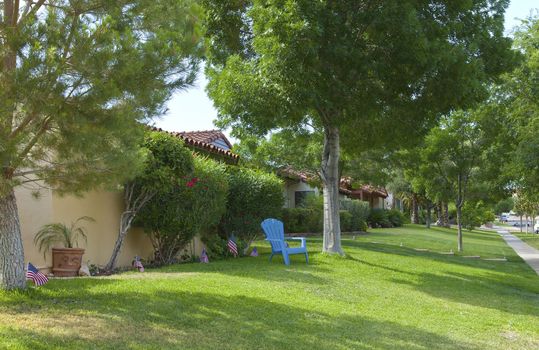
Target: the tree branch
pixel 31 143
pixel 70 35
pixel 22 125
pixel 33 10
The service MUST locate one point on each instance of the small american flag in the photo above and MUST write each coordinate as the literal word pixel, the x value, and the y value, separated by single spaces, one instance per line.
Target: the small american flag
pixel 204 257
pixel 254 252
pixel 232 246
pixel 138 264
pixel 33 274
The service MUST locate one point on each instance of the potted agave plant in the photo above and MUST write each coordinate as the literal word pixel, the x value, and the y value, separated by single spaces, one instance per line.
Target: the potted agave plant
pixel 66 261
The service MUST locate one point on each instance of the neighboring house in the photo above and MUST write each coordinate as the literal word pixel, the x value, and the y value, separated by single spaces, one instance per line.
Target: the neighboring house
pixel 392 202
pixel 105 207
pixel 296 187
pixel 208 142
pixel 299 184
pixel 374 195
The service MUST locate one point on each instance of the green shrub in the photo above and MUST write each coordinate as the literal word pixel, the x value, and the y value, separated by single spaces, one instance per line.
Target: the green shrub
pixel 359 211
pixel 378 218
pixel 195 206
pixel 395 217
pixel 217 246
pixel 314 202
pixel 346 220
pixel 299 220
pixel 362 226
pixel 252 197
pixel 476 214
pixel 504 206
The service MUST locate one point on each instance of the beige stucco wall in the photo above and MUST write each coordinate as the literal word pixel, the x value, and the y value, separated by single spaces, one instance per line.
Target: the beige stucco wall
pixel 34 212
pixel 291 188
pixel 104 207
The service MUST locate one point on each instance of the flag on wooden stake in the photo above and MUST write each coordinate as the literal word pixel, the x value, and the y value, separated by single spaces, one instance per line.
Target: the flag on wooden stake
pixel 204 257
pixel 254 252
pixel 232 246
pixel 33 274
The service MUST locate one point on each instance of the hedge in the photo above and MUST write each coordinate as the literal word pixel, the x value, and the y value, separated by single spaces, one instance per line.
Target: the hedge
pixel 252 197
pixel 309 219
pixel 359 211
pixel 302 220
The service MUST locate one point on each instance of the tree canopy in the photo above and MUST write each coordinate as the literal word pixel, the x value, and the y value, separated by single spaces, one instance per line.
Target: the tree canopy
pixel 76 80
pixel 368 73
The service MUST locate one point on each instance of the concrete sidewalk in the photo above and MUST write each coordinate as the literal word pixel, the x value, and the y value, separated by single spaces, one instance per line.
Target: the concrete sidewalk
pixel 529 254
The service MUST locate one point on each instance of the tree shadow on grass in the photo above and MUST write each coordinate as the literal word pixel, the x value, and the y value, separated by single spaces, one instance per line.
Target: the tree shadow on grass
pixel 477 235
pixel 433 255
pixel 509 293
pixel 184 320
pixel 491 292
pixel 259 268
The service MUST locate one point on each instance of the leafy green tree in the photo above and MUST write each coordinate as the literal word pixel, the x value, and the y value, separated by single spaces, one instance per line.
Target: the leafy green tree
pixel 195 205
pixel 408 184
pixel 475 214
pixel 523 109
pixel 299 149
pixel 167 160
pixel 379 70
pixel 527 204
pixel 76 79
pixel 451 158
pixel 504 206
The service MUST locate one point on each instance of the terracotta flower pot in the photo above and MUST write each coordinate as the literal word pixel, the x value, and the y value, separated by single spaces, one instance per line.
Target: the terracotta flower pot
pixel 66 262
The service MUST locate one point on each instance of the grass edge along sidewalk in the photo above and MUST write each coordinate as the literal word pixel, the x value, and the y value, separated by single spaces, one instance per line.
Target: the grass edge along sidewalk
pixel 528 253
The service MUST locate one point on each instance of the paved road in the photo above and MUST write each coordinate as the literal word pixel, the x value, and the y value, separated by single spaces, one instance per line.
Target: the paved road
pixel 529 254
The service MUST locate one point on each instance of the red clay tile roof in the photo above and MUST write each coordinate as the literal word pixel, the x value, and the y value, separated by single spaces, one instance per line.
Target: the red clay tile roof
pixel 197 141
pixel 206 136
pixel 305 176
pixel 294 174
pixel 346 182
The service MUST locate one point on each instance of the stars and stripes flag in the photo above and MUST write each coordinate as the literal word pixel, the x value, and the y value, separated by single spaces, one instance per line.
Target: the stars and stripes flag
pixel 138 264
pixel 254 252
pixel 232 246
pixel 204 257
pixel 33 274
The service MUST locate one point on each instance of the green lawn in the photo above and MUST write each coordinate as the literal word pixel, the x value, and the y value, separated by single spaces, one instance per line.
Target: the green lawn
pixel 382 296
pixel 530 238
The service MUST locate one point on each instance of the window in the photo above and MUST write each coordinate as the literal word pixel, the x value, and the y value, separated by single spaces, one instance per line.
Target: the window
pixel 300 196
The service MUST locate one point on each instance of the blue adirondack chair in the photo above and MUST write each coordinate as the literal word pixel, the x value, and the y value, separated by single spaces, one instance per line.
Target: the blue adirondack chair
pixel 274 231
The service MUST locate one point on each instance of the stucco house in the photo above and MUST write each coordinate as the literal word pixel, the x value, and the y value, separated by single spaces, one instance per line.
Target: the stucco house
pixel 105 207
pixel 300 184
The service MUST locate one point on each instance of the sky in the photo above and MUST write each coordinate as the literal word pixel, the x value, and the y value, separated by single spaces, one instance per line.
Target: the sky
pixel 191 109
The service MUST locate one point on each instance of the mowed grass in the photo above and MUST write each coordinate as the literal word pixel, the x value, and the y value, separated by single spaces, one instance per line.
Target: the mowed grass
pixel 530 238
pixel 381 296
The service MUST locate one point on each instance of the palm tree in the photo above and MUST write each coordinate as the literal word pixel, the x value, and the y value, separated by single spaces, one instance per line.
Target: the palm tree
pixel 58 233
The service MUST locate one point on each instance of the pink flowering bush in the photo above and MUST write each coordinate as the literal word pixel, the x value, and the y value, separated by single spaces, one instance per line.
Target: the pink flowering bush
pixel 194 206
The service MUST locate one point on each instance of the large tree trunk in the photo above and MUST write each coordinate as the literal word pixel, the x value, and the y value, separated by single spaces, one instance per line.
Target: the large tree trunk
pixel 459 225
pixel 445 215
pixel 428 218
pixel 133 204
pixel 415 210
pixel 125 224
pixel 11 250
pixel 438 214
pixel 459 204
pixel 330 181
